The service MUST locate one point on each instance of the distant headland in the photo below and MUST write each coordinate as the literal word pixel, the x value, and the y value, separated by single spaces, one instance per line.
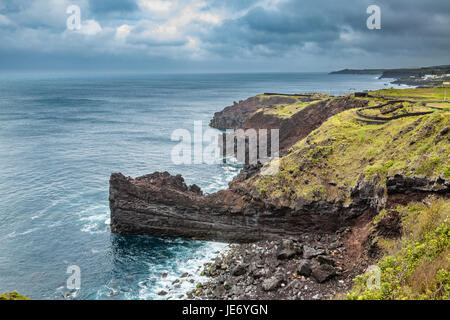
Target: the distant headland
pixel 425 76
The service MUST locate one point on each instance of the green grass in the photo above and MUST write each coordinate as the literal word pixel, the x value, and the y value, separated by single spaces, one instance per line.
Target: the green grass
pixel 417 266
pixel 436 93
pixel 412 146
pixel 13 296
pixel 285 111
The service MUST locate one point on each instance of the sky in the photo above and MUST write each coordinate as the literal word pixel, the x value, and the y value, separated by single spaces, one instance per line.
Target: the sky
pixel 201 36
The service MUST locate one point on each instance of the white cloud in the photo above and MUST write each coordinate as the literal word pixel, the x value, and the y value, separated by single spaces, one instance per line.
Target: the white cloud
pixel 123 31
pixel 157 6
pixel 179 27
pixel 194 12
pixel 230 29
pixel 192 43
pixel 90 27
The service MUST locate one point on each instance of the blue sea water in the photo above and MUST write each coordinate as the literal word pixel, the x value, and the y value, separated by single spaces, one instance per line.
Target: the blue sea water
pixel 62 135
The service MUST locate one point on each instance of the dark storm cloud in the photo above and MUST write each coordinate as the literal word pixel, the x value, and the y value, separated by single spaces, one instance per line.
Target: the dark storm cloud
pixel 406 25
pixel 284 34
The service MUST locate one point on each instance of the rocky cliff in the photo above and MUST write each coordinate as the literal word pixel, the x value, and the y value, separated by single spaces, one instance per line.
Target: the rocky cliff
pixel 356 174
pixel 233 117
pixel 163 205
pixel 340 168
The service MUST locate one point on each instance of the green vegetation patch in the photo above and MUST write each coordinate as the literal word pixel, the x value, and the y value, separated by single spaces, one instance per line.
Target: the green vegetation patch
pixel 416 266
pixel 418 94
pixel 13 296
pixel 286 110
pixel 334 156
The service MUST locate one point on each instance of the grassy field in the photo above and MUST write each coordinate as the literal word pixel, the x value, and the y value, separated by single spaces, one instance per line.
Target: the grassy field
pixel 287 110
pixel 419 94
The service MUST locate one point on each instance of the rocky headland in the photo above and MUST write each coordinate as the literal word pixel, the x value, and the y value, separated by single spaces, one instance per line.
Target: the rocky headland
pixel 348 165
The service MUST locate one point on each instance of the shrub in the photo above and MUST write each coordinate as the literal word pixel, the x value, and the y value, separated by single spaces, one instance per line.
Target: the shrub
pixel 418 266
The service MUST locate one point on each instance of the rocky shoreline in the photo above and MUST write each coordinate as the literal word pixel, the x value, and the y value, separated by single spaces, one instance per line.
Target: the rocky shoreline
pixel 305 268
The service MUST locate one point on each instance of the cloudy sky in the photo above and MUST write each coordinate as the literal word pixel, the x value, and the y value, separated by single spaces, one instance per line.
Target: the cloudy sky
pixel 222 35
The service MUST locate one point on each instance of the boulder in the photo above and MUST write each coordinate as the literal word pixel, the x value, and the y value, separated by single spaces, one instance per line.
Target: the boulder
pixel 261 273
pixel 304 268
pixel 239 270
pixel 272 284
pixel 309 252
pixel 323 272
pixel 326 260
pixel 285 254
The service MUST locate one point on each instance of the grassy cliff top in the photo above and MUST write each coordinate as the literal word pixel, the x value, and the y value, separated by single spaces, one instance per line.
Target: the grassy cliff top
pixel 418 94
pixel 330 160
pixel 286 110
pixel 417 99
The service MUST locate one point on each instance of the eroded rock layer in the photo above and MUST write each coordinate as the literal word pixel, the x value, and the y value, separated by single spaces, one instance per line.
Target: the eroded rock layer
pixel 163 205
pixel 160 204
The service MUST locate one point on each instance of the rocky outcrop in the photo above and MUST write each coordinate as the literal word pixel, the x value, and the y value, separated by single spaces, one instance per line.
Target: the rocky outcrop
pixel 233 117
pixel 403 184
pixel 160 204
pixel 368 193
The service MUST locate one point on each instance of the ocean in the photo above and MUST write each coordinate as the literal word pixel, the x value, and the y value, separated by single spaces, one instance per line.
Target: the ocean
pixel 62 135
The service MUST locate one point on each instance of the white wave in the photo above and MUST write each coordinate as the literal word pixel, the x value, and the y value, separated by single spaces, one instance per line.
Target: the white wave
pixel 192 266
pixel 96 223
pixel 14 234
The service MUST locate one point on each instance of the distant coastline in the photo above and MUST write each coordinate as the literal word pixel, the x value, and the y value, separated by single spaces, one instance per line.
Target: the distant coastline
pixel 424 77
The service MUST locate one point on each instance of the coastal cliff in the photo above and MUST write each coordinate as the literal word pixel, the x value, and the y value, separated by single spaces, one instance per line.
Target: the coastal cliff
pixel 163 205
pixel 337 165
pixel 345 161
